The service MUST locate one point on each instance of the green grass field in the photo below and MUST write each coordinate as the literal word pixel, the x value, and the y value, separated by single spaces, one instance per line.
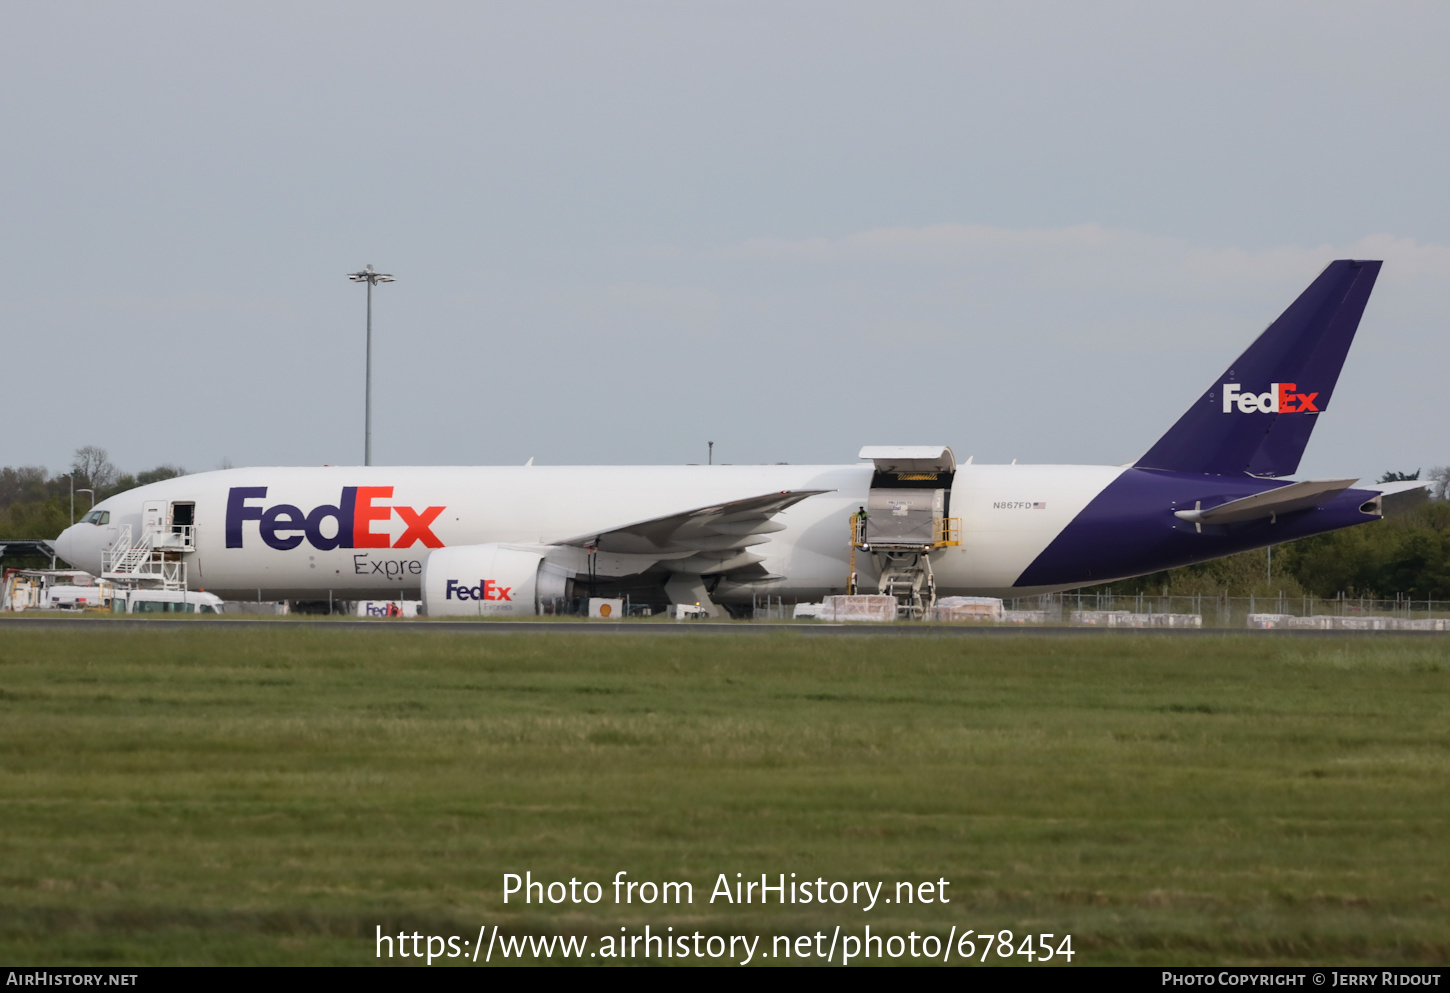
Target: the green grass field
pixel 195 795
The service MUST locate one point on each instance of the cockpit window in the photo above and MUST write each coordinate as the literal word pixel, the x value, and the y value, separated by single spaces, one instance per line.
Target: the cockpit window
pixel 101 517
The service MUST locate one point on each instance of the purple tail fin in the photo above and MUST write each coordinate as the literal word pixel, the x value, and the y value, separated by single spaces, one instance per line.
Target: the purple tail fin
pixel 1256 418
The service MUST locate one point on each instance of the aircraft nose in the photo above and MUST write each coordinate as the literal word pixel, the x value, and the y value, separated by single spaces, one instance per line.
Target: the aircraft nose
pixel 64 543
pixel 79 546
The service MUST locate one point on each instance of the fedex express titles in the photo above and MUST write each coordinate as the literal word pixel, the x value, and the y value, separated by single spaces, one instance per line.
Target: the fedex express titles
pixel 284 526
pixel 350 521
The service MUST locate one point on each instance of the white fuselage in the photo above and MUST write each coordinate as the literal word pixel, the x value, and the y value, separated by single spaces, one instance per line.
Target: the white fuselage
pixel 1009 514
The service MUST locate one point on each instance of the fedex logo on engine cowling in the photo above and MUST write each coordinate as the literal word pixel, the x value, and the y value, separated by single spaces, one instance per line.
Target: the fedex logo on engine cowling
pixel 486 589
pixel 1279 400
pixel 284 526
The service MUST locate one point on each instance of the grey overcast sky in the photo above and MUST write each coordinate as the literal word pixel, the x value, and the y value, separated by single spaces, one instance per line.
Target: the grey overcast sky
pixel 621 229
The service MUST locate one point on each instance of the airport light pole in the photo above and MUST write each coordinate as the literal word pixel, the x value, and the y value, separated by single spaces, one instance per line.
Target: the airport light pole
pixel 84 489
pixel 372 278
pixel 72 495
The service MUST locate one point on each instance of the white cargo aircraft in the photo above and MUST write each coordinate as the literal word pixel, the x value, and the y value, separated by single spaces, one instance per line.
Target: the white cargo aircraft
pixel 514 540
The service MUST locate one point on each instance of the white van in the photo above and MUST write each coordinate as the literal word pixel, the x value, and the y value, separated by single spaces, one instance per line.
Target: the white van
pixel 76 597
pixel 167 602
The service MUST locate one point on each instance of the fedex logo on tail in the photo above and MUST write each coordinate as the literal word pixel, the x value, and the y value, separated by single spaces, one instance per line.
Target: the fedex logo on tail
pixel 284 526
pixel 1279 400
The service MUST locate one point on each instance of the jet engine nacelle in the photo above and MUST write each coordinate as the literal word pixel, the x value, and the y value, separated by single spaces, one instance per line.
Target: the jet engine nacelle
pixel 489 581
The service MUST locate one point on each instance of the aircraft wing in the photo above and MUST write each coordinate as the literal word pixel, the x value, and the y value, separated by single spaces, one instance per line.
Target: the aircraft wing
pixel 716 535
pixel 1281 500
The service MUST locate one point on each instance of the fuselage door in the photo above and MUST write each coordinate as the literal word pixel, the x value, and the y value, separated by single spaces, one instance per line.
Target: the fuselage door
pixel 183 515
pixel 910 495
pixel 153 516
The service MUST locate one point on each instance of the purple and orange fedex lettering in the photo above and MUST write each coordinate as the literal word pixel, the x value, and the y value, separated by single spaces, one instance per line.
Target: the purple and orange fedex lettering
pixel 418 527
pixel 284 526
pixel 1279 400
pixel 486 589
pixel 366 513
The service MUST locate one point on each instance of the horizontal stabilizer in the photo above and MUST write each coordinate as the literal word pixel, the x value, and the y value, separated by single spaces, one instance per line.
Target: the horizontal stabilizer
pixel 1401 497
pixel 1283 500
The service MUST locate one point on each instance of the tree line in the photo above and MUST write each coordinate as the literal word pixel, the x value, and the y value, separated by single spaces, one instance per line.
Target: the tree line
pixel 34 503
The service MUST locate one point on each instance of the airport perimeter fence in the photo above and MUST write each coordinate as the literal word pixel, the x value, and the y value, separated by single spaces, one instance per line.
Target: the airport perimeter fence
pixel 1224 611
pixel 1208 611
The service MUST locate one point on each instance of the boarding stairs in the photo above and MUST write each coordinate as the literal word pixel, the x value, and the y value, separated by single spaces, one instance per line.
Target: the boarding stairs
pixel 152 559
